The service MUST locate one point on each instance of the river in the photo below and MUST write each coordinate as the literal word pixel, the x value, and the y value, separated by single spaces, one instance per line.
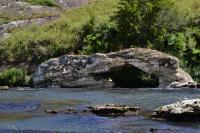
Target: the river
pixel 22 110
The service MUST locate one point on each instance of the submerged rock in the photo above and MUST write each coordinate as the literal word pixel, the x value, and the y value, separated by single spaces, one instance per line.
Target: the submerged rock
pixel 114 110
pixel 85 71
pixel 51 111
pixel 187 110
pixel 156 130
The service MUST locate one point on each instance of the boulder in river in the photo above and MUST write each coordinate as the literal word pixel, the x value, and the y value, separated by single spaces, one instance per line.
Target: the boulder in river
pixel 187 110
pixel 114 110
pixel 70 71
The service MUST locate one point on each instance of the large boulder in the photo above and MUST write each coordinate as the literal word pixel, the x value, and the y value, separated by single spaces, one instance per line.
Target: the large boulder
pixel 83 71
pixel 187 110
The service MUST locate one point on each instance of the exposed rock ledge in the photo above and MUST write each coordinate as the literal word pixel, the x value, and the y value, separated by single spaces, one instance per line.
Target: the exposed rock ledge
pixel 81 70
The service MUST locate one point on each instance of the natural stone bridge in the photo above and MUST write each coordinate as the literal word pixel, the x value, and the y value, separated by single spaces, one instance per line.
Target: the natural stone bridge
pixel 82 71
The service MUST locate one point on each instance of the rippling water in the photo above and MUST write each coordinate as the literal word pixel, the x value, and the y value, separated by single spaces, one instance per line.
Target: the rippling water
pixel 22 110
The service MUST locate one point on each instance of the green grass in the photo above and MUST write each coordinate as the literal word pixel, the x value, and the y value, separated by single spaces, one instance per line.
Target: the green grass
pixel 193 5
pixel 50 3
pixel 57 37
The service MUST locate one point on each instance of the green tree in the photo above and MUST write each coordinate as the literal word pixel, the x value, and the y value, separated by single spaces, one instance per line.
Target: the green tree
pixel 138 20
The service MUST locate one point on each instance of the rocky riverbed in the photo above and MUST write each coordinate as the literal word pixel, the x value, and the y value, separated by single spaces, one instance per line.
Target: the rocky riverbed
pixel 28 110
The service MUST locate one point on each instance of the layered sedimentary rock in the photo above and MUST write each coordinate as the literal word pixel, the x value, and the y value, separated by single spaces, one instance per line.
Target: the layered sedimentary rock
pixel 83 71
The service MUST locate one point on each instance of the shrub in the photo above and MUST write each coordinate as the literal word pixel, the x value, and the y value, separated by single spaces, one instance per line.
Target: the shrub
pixel 174 44
pixel 98 37
pixel 137 20
pixel 13 77
pixel 191 63
pixel 32 49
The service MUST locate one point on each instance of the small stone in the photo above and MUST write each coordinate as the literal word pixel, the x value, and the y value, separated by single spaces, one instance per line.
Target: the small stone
pixel 51 111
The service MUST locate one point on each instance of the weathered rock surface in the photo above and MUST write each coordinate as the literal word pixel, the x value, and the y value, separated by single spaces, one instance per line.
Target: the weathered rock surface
pixel 22 23
pixel 70 3
pixel 184 85
pixel 114 110
pixel 15 8
pixel 82 70
pixel 187 110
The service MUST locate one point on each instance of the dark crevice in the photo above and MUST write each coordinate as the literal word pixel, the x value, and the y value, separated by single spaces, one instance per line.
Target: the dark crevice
pixel 128 76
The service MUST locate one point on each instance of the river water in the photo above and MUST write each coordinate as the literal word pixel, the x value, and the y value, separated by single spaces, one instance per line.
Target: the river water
pixel 22 110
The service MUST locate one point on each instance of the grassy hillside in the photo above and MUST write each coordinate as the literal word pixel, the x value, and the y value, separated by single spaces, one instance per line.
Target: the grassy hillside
pixel 194 5
pixel 57 37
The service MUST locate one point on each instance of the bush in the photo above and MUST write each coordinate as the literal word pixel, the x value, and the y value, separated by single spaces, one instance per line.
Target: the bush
pixel 137 20
pixel 98 37
pixel 174 44
pixel 13 77
pixel 32 49
pixel 191 63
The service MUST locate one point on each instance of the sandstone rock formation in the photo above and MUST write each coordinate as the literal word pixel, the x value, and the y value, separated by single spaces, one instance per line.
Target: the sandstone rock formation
pixel 187 110
pixel 83 71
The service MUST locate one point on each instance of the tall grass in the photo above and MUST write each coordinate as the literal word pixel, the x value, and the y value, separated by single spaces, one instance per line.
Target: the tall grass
pixel 57 37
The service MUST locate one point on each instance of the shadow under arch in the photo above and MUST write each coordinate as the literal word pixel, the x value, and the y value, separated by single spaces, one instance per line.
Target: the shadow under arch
pixel 128 76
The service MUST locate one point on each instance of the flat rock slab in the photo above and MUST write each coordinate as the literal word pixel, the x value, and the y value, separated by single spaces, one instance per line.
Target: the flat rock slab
pixel 187 110
pixel 114 110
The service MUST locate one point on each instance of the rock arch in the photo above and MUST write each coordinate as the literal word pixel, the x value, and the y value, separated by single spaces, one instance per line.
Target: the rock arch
pixel 79 70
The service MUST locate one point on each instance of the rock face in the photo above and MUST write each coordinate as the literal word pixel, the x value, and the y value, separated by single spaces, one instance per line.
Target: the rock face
pixel 187 110
pixel 70 3
pixel 21 23
pixel 83 71
pixel 114 110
